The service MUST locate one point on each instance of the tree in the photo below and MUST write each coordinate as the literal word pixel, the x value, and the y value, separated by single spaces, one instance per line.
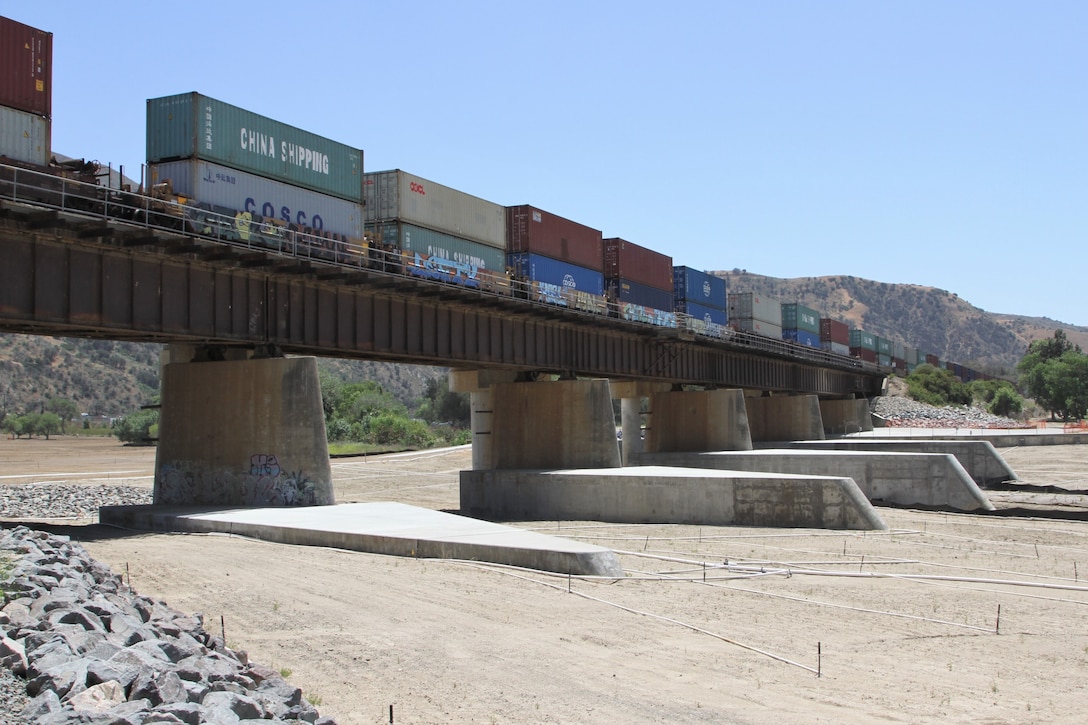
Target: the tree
pixel 439 405
pixel 136 428
pixel 1055 373
pixel 65 409
pixel 937 386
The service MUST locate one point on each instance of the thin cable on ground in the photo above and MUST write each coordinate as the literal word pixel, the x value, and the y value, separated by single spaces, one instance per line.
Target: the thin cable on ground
pixel 662 618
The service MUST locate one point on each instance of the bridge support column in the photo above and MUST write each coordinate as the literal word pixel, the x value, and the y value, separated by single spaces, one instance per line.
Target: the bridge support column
pixel 842 417
pixel 242 433
pixel 785 418
pixel 540 425
pixel 632 394
pixel 707 420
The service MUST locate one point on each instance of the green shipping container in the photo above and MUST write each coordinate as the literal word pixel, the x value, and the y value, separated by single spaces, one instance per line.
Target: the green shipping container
pixel 799 317
pixel 193 126
pixel 430 243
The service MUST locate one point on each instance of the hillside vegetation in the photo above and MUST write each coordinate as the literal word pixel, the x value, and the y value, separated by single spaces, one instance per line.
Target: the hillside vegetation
pixel 105 377
pixel 934 320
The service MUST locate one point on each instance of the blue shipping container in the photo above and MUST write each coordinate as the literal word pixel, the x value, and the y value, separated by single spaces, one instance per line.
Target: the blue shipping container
pixel 535 268
pixel 702 312
pixel 694 286
pixel 803 337
pixel 641 294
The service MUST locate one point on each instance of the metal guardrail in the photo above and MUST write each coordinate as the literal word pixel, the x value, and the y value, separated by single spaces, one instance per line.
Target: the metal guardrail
pixel 245 231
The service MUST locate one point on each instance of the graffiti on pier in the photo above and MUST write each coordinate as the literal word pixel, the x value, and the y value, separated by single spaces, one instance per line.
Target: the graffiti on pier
pixel 264 483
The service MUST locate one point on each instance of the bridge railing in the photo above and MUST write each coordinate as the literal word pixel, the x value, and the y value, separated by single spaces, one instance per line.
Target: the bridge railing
pixel 79 193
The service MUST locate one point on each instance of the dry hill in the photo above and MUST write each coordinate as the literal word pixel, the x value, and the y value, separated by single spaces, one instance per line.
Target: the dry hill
pixel 934 320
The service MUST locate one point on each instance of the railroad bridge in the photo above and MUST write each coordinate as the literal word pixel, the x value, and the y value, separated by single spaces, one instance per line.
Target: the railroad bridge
pixel 241 323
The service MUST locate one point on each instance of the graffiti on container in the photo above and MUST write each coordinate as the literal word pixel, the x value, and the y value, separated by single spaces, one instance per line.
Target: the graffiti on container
pixel 264 484
pixel 442 269
pixel 638 313
pixel 553 294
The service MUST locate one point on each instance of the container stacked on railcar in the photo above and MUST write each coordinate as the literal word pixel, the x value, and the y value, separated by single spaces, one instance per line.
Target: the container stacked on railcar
pixel 800 324
pixel 701 297
pixel 26 93
pixel 639 281
pixel 756 313
pixel 834 336
pixel 863 345
pixel 436 232
pixel 262 179
pixel 555 260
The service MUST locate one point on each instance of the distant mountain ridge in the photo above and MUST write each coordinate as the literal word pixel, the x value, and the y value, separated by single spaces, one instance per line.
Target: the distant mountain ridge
pixel 934 320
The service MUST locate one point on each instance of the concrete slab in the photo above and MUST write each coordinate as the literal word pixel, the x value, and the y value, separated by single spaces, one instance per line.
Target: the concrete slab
pixel 978 457
pixel 659 494
pixel 907 479
pixel 379 528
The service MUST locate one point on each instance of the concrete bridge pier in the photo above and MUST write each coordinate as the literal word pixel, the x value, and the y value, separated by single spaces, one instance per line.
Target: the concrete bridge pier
pixel 784 418
pixel 843 417
pixel 241 432
pixel 537 425
pixel 698 420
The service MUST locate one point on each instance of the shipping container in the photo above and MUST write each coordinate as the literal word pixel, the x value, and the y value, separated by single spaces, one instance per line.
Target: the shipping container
pixel 528 267
pixel 749 324
pixel 862 339
pixel 834 331
pixel 837 348
pixel 223 186
pixel 625 290
pixel 471 256
pixel 26 68
pixel 899 351
pixel 863 353
pixel 913 356
pixel 883 346
pixel 24 136
pixel 932 359
pixel 627 260
pixel 798 317
pixel 748 305
pixel 531 230
pixel 884 361
pixel 713 315
pixel 802 337
pixel 193 126
pixel 398 195
pixel 691 285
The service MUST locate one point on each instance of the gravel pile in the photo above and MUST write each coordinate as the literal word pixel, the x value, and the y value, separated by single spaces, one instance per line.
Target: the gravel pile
pixel 63 501
pixel 903 412
pixel 79 646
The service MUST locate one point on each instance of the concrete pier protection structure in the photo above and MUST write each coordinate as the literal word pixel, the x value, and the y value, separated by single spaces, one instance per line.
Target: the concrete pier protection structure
pixel 784 417
pixel 548 451
pixel 904 479
pixel 241 432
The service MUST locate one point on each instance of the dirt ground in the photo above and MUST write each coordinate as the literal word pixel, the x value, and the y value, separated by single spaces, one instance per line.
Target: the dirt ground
pixel 949 618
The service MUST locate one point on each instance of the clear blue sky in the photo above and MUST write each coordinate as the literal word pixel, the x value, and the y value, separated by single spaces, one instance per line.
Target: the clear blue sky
pixel 932 142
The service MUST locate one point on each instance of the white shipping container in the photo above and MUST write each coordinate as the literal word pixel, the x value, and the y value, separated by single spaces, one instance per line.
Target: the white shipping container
pixel 766 329
pixel 390 195
pixel 226 187
pixel 24 136
pixel 756 307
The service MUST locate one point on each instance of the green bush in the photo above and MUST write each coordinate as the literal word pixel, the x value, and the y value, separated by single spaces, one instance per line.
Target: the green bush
pixel 1006 402
pixel 937 386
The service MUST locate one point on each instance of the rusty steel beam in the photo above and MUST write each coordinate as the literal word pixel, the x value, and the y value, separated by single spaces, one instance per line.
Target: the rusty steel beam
pixel 61 283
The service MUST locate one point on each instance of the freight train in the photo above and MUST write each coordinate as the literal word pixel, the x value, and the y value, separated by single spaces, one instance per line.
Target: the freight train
pixel 221 172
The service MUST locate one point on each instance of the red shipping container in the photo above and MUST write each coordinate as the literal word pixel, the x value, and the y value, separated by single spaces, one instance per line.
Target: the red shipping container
pixel 529 229
pixel 26 68
pixel 834 331
pixel 931 359
pixel 864 354
pixel 626 260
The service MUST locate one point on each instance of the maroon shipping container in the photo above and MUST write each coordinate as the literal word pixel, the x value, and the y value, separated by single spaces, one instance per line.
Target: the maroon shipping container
pixel 26 68
pixel 626 260
pixel 834 331
pixel 529 229
pixel 932 360
pixel 863 354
